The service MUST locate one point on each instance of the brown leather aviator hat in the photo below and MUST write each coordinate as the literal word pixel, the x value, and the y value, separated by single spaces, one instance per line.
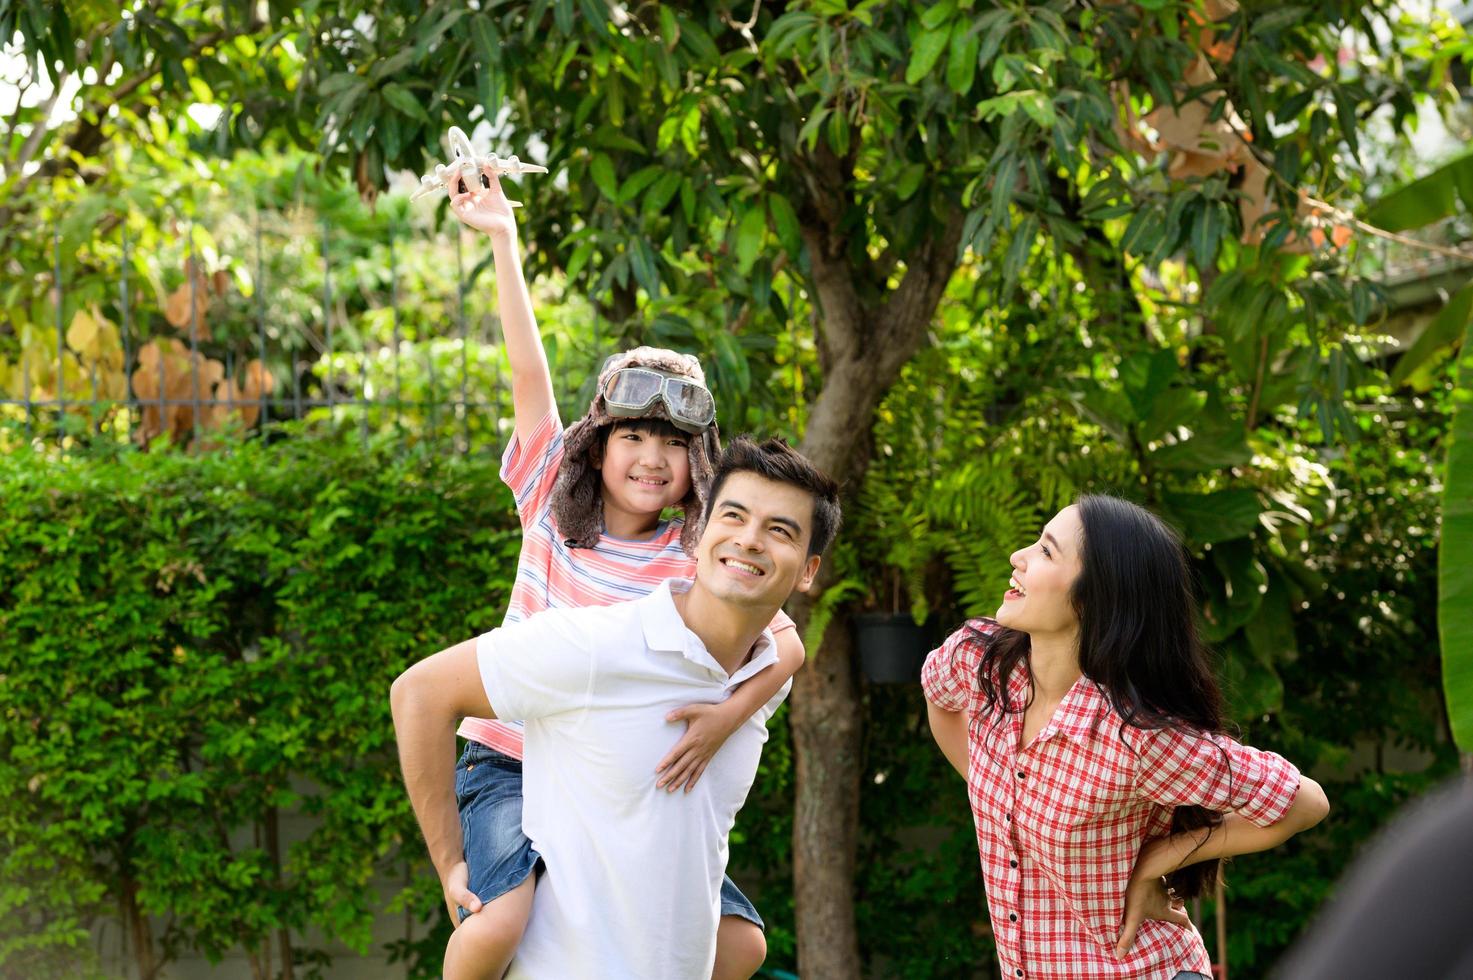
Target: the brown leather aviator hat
pixel 644 383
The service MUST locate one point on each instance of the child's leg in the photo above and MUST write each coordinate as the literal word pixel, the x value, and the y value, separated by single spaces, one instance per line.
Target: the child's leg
pixel 485 942
pixel 500 864
pixel 741 945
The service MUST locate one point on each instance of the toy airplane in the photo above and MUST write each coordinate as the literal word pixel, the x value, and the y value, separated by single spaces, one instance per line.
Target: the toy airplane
pixel 467 166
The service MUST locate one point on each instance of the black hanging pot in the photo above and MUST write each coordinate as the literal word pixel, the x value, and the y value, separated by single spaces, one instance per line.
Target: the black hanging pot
pixel 891 647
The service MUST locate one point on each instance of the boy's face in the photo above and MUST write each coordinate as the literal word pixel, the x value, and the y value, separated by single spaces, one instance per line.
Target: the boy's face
pixel 754 551
pixel 644 472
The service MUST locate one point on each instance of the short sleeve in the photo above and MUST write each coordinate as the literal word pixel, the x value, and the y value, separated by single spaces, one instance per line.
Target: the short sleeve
pixel 1215 772
pixel 950 676
pixel 542 666
pixel 530 469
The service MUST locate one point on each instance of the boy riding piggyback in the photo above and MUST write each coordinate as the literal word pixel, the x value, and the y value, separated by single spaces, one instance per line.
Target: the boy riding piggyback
pixel 590 500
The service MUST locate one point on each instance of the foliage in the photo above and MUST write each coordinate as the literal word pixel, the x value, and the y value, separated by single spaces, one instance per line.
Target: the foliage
pixel 1147 269
pixel 193 646
pixel 1455 576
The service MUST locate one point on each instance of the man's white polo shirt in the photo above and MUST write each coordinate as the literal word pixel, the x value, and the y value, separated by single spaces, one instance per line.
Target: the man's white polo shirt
pixel 633 880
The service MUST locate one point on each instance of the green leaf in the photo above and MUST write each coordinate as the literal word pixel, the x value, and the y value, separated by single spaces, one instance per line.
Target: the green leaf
pixel 1019 249
pixel 1172 408
pixel 1204 451
pixel 961 63
pixel 1454 570
pixel 749 238
pixel 1209 518
pixel 602 172
pixel 669 28
pixel 925 52
pixel 1446 328
pixel 1425 200
pixel 402 99
pixel 785 223
pixel 909 180
pixel 636 182
pixel 1206 233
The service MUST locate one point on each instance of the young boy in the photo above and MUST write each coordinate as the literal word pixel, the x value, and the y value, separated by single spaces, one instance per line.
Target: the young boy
pixel 590 502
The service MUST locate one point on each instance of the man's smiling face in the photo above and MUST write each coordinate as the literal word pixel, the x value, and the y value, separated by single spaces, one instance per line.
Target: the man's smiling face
pixel 754 550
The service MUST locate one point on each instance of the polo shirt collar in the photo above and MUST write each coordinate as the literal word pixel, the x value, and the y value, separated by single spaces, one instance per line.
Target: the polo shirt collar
pixel 665 630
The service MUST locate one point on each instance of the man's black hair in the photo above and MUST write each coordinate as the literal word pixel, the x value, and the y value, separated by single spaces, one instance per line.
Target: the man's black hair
pixel 775 460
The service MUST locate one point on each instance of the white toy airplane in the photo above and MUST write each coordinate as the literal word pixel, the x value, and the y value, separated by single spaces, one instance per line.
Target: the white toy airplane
pixel 467 166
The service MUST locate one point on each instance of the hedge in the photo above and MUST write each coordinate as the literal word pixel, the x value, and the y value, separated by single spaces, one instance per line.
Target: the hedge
pixel 192 646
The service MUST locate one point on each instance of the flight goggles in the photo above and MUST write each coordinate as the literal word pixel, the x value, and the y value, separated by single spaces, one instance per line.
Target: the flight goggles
pixel 631 391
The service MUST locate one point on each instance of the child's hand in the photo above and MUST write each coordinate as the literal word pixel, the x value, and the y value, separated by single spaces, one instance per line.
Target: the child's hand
pixel 708 726
pixel 484 208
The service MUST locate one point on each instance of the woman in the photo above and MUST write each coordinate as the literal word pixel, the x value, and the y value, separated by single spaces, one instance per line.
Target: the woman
pixel 1088 725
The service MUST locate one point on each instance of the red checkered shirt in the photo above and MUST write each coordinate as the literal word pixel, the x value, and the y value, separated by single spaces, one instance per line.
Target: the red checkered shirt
pixel 1061 822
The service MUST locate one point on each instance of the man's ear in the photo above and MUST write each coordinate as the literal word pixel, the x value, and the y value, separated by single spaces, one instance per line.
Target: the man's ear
pixel 810 569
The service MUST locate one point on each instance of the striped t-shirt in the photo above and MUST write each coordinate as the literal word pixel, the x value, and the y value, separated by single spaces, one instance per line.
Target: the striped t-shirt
pixel 551 575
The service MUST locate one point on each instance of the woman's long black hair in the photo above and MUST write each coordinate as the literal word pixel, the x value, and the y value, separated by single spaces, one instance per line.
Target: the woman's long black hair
pixel 1138 641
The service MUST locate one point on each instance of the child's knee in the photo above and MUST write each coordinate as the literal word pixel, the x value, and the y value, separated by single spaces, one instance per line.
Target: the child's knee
pixel 741 948
pixel 497 928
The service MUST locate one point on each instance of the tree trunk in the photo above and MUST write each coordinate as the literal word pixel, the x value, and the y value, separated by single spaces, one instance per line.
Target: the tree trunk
pixel 862 349
pixel 826 746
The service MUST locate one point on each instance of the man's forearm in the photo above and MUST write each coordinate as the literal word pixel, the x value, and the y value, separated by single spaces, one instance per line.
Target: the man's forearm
pixel 426 738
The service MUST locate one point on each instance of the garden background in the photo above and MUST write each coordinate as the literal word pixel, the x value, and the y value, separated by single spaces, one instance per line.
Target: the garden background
pixel 974 258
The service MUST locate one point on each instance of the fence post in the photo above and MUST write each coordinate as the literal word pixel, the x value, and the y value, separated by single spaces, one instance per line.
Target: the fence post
pixel 261 322
pixel 123 317
pixel 60 339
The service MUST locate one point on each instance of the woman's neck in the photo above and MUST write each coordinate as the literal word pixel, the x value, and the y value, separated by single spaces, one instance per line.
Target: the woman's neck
pixel 1053 661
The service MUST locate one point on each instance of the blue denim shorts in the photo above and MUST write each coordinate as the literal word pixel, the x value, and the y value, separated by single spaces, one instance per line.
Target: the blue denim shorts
pixel 498 856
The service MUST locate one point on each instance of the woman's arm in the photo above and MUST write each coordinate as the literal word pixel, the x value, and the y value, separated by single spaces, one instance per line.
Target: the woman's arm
pixel 1235 835
pixel 1146 897
pixel 708 726
pixel 949 728
pixel 487 209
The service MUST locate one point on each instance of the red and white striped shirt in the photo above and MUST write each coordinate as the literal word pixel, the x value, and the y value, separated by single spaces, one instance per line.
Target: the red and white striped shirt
pixel 551 575
pixel 1060 822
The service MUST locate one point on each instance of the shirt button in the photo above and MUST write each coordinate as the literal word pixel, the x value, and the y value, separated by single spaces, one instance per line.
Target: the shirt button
pixel 1019 971
pixel 1022 775
pixel 1012 862
pixel 1012 916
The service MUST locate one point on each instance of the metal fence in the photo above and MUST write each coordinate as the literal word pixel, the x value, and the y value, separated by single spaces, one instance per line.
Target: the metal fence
pixel 171 385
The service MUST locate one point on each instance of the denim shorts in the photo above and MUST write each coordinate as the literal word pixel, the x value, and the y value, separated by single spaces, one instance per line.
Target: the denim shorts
pixel 498 856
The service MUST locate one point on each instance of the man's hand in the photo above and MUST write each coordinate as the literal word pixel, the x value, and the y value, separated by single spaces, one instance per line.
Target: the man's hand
pixel 458 892
pixel 484 208
pixel 1148 898
pixel 708 726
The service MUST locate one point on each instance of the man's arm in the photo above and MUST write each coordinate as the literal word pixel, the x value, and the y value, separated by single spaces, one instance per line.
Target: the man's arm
pixel 428 700
pixel 708 726
pixel 531 380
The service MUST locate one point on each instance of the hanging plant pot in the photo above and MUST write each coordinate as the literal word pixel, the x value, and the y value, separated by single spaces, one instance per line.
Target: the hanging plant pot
pixel 891 646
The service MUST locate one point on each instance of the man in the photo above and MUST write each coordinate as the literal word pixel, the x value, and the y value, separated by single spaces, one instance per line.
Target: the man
pixel 633 875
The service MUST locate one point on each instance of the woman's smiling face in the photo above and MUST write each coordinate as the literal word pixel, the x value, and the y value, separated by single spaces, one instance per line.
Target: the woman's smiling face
pixel 1038 598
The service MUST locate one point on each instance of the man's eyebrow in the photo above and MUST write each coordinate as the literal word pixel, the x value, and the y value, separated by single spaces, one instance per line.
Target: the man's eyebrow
pixel 729 504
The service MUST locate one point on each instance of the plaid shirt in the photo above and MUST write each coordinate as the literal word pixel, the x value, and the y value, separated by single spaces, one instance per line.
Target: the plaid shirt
pixel 1061 822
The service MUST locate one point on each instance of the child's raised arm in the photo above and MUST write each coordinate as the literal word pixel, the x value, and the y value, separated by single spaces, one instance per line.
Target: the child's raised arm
pixel 486 209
